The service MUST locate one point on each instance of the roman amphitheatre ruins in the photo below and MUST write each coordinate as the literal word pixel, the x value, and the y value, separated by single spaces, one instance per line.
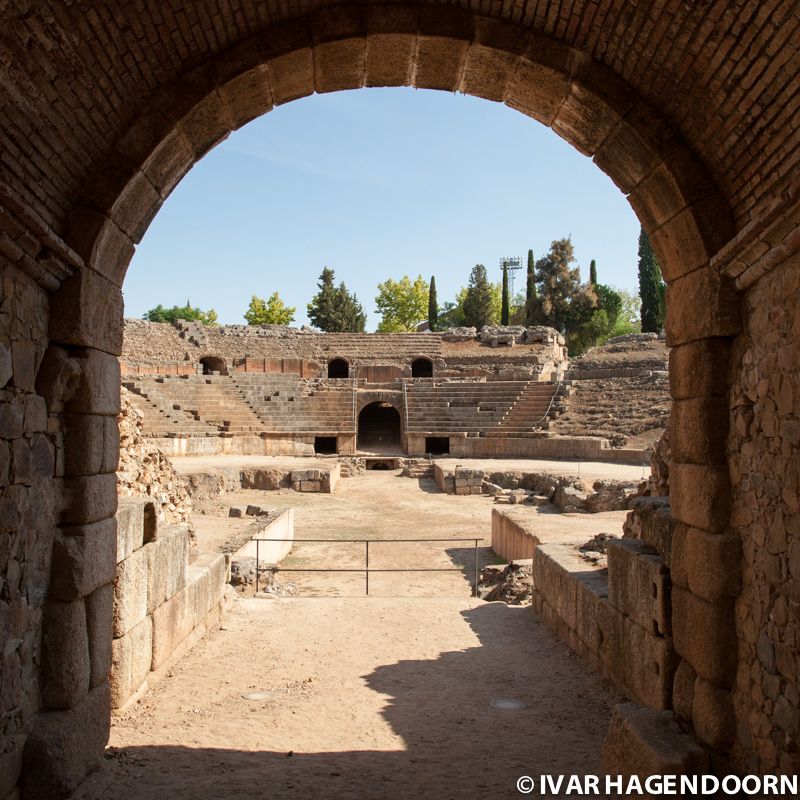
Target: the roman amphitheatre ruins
pixel 149 648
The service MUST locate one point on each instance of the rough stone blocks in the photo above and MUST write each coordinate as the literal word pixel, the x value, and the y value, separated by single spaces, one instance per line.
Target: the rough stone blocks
pixel 639 584
pixel 130 592
pixel 649 666
pixel 643 742
pixel 136 525
pixel 131 658
pixel 167 562
pixel 65 644
pixel 83 559
pixel 705 636
pixel 64 746
pixel 174 620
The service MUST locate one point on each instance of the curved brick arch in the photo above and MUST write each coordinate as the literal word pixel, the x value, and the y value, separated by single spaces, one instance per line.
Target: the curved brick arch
pixel 581 100
pixel 605 76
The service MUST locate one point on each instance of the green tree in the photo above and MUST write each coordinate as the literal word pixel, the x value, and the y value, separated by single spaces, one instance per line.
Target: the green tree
pixel 401 304
pixel 334 309
pixel 433 306
pixel 504 299
pixel 651 287
pixel 352 317
pixel 563 302
pixel 593 272
pixel 272 312
pixel 188 313
pixel 478 300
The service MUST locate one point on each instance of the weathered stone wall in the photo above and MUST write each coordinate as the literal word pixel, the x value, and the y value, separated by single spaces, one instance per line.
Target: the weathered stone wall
pixel 162 604
pixel 765 470
pixel 29 508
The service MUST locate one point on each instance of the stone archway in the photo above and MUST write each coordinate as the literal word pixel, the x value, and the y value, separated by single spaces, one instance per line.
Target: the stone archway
pixel 379 428
pixel 709 170
pixel 338 368
pixel 422 368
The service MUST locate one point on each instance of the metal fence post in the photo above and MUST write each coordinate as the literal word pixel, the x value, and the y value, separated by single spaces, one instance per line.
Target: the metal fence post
pixel 476 568
pixel 366 571
pixel 257 562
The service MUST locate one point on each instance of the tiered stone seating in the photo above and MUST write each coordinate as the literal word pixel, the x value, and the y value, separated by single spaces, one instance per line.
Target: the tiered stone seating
pixel 284 405
pixel 495 408
pixel 532 411
pixel 161 416
pixel 213 400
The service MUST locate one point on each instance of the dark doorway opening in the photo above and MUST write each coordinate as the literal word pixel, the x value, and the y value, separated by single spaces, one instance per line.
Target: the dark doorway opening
pixel 437 445
pixel 325 445
pixel 213 364
pixel 379 428
pixel 338 368
pixel 422 368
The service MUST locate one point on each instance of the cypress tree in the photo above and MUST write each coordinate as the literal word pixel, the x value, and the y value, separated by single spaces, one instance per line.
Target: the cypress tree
pixel 433 305
pixel 593 273
pixel 504 306
pixel 530 284
pixel 651 287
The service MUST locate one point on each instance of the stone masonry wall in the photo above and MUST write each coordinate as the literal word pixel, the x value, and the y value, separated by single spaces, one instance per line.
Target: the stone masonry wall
pixel 765 472
pixel 28 512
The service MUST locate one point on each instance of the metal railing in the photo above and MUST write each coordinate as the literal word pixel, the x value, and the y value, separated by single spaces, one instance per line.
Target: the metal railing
pixel 366 569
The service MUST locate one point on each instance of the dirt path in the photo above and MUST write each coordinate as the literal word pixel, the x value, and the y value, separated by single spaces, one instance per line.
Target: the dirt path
pixel 370 699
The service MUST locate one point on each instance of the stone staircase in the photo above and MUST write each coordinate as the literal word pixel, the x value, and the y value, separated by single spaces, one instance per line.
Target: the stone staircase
pixel 162 416
pixel 285 404
pixel 417 468
pixel 495 408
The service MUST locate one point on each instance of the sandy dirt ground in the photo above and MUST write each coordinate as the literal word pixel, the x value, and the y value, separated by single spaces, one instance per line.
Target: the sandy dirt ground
pixel 368 698
pixel 384 506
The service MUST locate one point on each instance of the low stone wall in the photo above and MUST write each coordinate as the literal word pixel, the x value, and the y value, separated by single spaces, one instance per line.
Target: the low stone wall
pixel 211 482
pixel 619 620
pixel 161 604
pixel 316 480
pixel 235 445
pixel 585 448
pixel 281 526
pixel 511 540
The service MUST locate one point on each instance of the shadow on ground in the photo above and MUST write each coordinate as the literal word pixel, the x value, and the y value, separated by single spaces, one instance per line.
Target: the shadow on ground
pixel 456 744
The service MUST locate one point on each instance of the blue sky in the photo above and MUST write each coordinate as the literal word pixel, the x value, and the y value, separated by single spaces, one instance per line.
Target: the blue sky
pixel 376 183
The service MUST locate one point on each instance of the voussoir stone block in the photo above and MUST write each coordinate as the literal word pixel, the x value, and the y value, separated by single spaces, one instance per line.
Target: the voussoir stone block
pixel 701 305
pixel 88 312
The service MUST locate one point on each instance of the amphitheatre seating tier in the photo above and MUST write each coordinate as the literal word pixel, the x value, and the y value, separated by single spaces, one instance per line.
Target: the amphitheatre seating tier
pixel 499 408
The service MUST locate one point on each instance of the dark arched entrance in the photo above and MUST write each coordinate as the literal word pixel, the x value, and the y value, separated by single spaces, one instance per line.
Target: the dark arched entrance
pixel 422 368
pixel 212 364
pixel 338 368
pixel 379 428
